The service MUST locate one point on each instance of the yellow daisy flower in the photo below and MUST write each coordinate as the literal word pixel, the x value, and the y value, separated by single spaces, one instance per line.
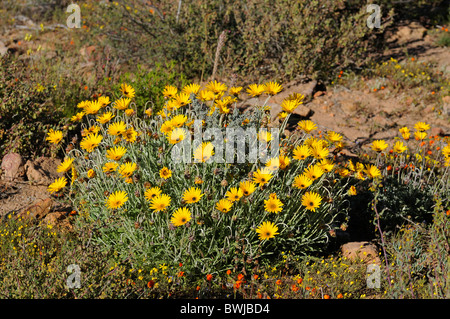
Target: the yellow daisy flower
pixel 399 147
pixel 77 117
pixel 122 104
pixel 170 91
pixel 90 142
pixel 272 88
pixel 379 145
pixel 177 135
pixel 192 195
pixel 421 126
pixel 181 216
pixel 314 172
pixel 160 203
pixel 92 107
pixel 110 167
pixel 247 187
pixel 256 89
pixel 191 89
pixel 127 90
pixel 307 126
pixel 203 152
pixel 105 117
pixel 311 201
pixel 127 169
pixel 117 128
pixel 216 87
pixel 372 171
pixel 65 166
pixel 224 205
pixel 165 173
pixel 267 230
pixel 54 136
pixel 116 199
pixel 235 90
pixel 116 153
pixel 234 194
pixel 273 204
pixel 151 193
pixel 302 181
pixel 301 152
pixel 57 185
pixel 262 176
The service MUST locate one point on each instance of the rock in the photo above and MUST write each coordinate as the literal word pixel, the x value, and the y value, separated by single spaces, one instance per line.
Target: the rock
pixel 42 171
pixel 408 33
pixel 309 89
pixel 39 209
pixel 363 250
pixel 35 175
pixel 58 219
pixel 3 49
pixel 446 106
pixel 318 93
pixel 437 131
pixel 12 166
pixel 302 110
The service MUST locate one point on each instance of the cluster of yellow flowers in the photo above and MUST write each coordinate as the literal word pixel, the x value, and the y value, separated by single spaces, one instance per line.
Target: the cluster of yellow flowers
pixel 313 151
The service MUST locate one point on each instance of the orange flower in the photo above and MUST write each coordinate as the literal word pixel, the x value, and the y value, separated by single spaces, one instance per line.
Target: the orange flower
pixel 326 296
pixel 181 274
pixel 340 296
pixel 278 282
pixel 240 277
pixel 255 276
pixel 299 281
pixel 209 277
pixel 228 272
pixel 389 167
pixel 150 284
pixel 294 288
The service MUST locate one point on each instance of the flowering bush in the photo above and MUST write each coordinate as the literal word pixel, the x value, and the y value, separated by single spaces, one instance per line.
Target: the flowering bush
pixel 156 205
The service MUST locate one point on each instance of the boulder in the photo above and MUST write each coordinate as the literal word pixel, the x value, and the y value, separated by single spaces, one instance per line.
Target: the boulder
pixel 12 167
pixel 42 171
pixel 409 33
pixel 361 250
pixel 38 209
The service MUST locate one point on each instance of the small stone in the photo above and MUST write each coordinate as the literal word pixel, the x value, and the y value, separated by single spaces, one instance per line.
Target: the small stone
pixel 318 93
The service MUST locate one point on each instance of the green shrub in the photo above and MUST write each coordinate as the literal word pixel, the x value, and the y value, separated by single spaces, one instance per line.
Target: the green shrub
pixel 277 39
